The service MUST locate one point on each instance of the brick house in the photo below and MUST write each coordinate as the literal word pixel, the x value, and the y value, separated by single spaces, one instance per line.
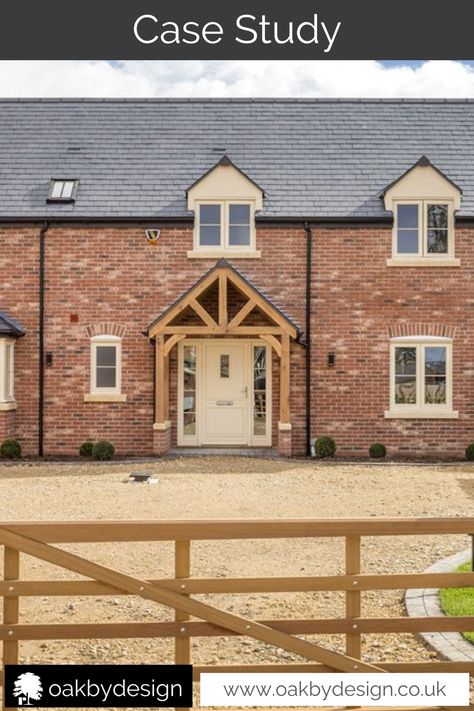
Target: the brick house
pixel 237 273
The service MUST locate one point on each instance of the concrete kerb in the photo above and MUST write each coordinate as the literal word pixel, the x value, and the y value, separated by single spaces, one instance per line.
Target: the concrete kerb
pixel 450 646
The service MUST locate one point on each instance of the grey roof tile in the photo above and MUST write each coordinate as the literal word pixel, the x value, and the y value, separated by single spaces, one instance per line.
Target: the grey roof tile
pixel 313 158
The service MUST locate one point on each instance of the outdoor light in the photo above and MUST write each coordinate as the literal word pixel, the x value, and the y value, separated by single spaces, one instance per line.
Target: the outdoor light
pixel 331 359
pixel 49 358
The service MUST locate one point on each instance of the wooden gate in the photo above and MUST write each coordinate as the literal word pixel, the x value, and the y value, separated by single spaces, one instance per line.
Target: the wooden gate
pixel 194 618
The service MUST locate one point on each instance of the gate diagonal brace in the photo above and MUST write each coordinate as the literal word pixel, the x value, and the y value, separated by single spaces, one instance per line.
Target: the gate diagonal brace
pixel 177 601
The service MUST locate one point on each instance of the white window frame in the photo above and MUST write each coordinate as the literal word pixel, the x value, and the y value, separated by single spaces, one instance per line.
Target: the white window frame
pixel 224 245
pixel 7 379
pixel 420 409
pixel 105 340
pixel 422 252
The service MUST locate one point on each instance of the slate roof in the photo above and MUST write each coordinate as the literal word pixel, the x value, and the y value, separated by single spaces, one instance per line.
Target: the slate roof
pixel 313 158
pixel 10 326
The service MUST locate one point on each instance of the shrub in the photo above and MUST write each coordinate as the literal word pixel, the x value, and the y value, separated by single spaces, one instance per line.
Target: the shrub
pixel 325 447
pixel 103 450
pixel 10 449
pixel 377 451
pixel 86 449
pixel 470 452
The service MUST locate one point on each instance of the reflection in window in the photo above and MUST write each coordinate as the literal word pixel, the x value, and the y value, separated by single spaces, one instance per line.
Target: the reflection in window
pixel 239 225
pixel 225 366
pixel 437 229
pixel 407 229
pixel 259 390
pixel 210 225
pixel 106 366
pixel 189 390
pixel 435 375
pixel 405 376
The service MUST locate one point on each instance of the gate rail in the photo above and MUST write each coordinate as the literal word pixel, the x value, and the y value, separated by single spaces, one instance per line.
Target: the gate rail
pixel 194 618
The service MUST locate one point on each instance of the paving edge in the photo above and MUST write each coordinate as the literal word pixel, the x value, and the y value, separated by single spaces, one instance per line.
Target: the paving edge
pixel 450 646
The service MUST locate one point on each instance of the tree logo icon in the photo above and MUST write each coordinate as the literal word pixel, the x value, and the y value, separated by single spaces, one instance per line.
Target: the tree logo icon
pixel 28 688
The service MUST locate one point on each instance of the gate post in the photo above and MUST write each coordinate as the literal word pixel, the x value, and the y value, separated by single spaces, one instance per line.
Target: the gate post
pixel 11 609
pixel 182 565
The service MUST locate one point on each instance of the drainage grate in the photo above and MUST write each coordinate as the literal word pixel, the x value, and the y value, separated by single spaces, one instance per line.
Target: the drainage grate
pixel 141 478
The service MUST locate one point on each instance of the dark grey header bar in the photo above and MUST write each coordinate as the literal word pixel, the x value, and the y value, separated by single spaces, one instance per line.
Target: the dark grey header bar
pixel 210 29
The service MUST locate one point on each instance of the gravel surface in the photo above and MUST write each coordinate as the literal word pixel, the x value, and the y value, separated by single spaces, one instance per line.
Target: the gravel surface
pixel 228 487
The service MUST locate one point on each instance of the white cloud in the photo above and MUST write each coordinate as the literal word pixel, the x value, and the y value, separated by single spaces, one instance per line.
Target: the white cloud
pixel 235 78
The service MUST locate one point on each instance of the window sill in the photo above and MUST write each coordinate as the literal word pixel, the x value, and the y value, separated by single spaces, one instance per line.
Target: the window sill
pixel 5 406
pixel 103 397
pixel 423 262
pixel 422 415
pixel 216 253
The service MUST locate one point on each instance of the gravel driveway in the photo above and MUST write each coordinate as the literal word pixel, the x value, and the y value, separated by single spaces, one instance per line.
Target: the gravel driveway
pixel 224 487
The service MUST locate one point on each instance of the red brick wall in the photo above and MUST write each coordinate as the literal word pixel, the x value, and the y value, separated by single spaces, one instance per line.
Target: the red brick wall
pixel 357 299
pixel 110 275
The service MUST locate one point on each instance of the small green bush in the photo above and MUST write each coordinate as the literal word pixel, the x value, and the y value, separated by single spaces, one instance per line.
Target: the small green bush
pixel 377 451
pixel 10 449
pixel 470 452
pixel 86 449
pixel 103 450
pixel 325 447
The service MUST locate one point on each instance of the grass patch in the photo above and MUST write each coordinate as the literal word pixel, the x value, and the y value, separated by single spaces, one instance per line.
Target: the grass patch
pixel 457 602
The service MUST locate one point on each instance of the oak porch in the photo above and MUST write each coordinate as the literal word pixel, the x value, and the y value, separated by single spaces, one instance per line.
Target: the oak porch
pixel 167 331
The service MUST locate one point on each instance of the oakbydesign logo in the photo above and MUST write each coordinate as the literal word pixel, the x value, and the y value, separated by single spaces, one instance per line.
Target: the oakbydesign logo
pixel 27 688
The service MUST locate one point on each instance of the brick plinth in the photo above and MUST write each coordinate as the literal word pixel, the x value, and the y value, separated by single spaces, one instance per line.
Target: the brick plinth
pixel 161 438
pixel 285 445
pixel 7 424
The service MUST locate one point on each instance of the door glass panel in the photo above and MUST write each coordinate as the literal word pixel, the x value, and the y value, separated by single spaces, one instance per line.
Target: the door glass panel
pixel 435 375
pixel 225 366
pixel 405 376
pixel 189 390
pixel 259 390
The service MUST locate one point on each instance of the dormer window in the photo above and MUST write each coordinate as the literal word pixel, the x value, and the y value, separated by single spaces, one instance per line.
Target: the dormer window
pixel 224 201
pixel 423 201
pixel 225 225
pixel 63 190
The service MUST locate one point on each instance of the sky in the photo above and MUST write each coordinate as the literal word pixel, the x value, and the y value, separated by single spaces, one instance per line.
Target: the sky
pixel 430 79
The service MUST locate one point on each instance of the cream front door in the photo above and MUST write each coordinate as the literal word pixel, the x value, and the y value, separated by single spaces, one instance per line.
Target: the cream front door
pixel 225 393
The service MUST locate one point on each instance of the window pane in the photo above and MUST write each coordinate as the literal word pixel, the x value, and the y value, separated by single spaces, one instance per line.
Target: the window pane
pixel 210 235
pixel 435 390
pixel 189 390
pixel 68 188
pixel 210 214
pixel 435 360
pixel 8 372
pixel 405 390
pixel 438 241
pixel 438 216
pixel 239 214
pixel 405 361
pixel 407 216
pixel 259 390
pixel 57 190
pixel 239 235
pixel 105 377
pixel 407 241
pixel 225 365
pixel 106 355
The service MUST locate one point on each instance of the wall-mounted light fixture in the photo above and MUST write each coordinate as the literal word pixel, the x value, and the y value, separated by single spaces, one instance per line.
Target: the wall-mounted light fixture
pixel 331 360
pixel 49 358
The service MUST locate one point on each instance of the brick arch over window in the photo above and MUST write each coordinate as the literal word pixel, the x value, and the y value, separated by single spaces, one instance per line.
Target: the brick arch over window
pixel 106 329
pixel 421 329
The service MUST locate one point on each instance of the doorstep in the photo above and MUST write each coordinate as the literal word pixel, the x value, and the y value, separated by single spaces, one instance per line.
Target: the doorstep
pixel 261 452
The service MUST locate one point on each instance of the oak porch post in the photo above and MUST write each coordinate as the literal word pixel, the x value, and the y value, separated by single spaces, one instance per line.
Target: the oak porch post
pixel 162 425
